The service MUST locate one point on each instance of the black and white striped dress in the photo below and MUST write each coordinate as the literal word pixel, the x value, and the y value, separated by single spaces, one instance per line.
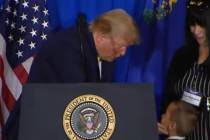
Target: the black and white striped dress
pixel 197 78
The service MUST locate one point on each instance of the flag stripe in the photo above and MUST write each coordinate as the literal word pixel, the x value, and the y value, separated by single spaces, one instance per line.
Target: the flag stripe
pixel 5 111
pixel 27 64
pixel 7 96
pixel 21 73
pixel 1 120
pixel 11 81
pixel 1 114
pixel 1 101
pixel 1 117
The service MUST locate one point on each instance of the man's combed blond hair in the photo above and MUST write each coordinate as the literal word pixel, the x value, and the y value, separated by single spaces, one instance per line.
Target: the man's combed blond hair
pixel 117 23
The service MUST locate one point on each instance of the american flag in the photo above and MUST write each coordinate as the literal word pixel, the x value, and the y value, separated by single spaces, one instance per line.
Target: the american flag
pixel 23 27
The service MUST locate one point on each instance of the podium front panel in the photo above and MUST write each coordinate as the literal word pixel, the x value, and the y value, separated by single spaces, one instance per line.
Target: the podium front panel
pixel 43 106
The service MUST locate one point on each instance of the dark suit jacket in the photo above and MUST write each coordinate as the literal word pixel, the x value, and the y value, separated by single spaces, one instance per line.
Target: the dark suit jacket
pixel 69 57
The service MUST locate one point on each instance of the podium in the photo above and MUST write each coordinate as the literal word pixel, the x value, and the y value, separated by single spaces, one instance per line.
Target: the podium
pixel 88 111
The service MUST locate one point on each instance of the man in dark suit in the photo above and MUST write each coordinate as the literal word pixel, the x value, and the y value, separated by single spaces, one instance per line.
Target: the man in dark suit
pixel 71 56
pixel 179 120
pixel 84 53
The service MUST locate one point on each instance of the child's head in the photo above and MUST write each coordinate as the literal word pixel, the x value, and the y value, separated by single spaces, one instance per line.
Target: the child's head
pixel 180 118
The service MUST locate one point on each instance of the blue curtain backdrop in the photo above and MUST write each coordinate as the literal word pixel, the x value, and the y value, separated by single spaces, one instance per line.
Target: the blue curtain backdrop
pixel 64 12
pixel 162 31
pixel 1 2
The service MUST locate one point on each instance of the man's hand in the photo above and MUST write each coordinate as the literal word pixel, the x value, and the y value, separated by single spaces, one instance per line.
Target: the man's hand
pixel 162 129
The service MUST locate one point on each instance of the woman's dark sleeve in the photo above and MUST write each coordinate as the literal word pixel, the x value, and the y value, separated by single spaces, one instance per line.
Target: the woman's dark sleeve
pixel 174 72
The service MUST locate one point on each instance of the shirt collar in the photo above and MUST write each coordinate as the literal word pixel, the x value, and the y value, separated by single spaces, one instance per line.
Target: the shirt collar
pixel 176 137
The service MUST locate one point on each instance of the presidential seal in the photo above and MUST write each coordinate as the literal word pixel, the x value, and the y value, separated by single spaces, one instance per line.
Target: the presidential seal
pixel 89 117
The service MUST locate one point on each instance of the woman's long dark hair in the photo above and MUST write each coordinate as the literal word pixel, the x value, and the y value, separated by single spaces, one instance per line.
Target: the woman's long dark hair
pixel 199 15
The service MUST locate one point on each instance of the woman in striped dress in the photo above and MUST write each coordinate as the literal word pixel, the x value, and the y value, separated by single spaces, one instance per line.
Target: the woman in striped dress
pixel 190 69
